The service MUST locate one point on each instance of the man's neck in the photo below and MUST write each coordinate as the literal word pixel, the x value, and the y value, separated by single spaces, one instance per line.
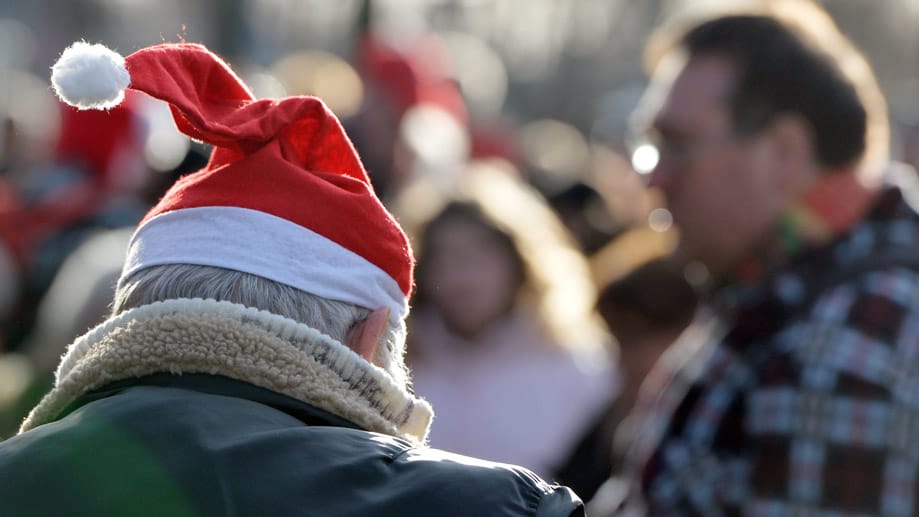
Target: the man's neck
pixel 834 204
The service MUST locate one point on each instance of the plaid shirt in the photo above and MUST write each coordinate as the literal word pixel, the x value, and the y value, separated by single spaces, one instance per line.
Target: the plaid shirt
pixel 805 401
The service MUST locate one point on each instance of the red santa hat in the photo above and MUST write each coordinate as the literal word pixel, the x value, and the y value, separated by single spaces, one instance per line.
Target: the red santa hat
pixel 284 195
pixel 414 75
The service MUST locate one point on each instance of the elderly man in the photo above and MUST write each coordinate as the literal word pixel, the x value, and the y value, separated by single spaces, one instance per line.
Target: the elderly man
pixel 795 390
pixel 253 364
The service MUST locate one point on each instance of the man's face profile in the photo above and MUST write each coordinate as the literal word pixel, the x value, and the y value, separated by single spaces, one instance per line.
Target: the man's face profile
pixel 717 183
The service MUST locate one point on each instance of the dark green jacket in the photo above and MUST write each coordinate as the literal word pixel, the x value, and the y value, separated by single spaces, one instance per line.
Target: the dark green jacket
pixel 208 445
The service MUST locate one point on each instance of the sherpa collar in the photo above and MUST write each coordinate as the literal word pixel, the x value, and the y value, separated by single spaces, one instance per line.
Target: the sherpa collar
pixel 223 338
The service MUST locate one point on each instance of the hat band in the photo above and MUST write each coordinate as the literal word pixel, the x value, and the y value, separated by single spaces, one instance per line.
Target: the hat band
pixel 265 245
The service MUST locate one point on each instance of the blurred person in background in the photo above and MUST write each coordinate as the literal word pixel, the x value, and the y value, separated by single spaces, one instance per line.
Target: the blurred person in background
pixel 90 179
pixel 413 120
pixel 253 362
pixel 12 259
pixel 77 299
pixel 794 389
pixel 80 293
pixel 646 309
pixel 584 212
pixel 68 215
pixel 560 163
pixel 504 340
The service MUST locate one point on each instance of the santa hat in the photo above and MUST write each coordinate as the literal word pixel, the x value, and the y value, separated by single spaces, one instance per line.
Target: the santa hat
pixel 284 195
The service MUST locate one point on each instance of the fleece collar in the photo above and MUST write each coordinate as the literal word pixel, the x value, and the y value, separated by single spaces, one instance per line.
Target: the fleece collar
pixel 246 344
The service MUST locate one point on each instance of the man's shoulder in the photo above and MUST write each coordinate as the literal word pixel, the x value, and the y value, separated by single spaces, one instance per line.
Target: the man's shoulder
pixel 474 472
pixel 199 447
pixel 425 477
pixel 367 470
pixel 877 298
pixel 857 336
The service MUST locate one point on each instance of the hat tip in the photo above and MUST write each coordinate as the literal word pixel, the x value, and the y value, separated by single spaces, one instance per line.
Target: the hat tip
pixel 90 76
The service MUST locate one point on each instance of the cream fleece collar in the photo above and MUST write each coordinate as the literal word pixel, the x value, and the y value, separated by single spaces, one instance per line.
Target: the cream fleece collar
pixel 223 338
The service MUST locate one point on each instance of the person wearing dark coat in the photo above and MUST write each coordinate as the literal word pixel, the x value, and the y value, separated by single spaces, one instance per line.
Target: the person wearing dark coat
pixel 253 363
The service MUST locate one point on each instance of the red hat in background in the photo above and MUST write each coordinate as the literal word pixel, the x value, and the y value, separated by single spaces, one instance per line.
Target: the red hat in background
pixel 416 75
pixel 94 139
pixel 14 236
pixel 284 195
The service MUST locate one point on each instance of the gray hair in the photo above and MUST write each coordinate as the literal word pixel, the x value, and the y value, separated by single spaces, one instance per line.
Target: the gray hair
pixel 331 317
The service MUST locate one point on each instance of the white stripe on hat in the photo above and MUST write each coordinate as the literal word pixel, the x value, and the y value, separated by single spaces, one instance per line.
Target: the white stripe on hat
pixel 262 244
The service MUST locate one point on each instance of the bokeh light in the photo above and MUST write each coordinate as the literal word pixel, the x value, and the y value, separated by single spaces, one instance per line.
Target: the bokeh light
pixel 660 219
pixel 645 158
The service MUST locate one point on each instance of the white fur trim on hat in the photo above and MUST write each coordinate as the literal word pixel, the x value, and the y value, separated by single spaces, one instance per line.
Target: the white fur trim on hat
pixel 90 76
pixel 255 242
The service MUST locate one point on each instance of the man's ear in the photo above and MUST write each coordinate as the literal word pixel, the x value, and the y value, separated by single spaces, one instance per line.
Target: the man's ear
pixel 794 151
pixel 364 337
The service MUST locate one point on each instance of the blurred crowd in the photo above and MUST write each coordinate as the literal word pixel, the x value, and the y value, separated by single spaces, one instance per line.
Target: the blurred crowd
pixel 517 225
pixel 543 294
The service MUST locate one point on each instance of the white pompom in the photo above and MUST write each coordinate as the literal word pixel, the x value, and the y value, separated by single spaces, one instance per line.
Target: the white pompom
pixel 90 76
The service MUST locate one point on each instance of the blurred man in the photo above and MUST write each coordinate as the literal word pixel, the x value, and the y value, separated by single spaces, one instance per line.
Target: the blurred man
pixel 797 395
pixel 254 361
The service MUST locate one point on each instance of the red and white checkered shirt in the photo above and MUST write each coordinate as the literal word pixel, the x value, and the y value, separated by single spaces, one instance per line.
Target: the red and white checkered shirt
pixel 805 400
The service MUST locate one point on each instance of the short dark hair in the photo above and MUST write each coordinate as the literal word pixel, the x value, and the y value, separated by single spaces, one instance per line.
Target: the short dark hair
pixel 795 62
pixel 776 73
